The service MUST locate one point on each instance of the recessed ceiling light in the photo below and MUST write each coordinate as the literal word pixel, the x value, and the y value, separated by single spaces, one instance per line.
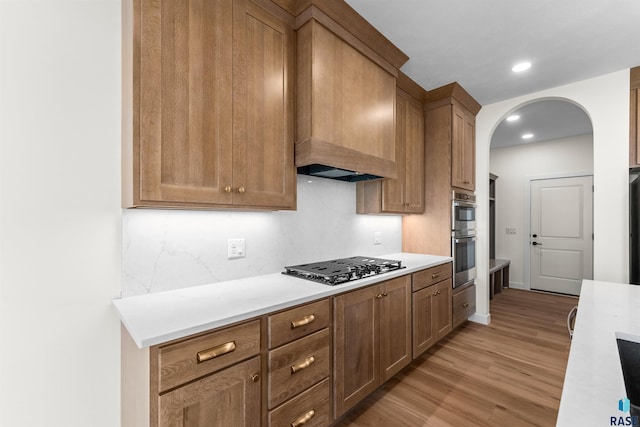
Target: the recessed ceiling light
pixel 527 136
pixel 513 118
pixel 523 66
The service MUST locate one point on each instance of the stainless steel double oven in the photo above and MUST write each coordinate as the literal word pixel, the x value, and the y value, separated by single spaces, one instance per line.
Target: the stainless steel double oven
pixel 463 237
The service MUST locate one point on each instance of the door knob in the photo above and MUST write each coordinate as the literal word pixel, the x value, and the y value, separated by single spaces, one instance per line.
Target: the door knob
pixel 536 244
pixel 534 235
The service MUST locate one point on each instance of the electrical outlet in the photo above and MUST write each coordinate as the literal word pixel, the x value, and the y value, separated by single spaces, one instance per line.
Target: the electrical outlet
pixel 377 238
pixel 511 230
pixel 235 248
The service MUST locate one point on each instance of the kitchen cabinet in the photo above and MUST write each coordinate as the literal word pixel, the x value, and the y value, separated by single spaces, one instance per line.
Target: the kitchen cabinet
pixel 213 378
pixel 634 118
pixel 449 164
pixel 464 304
pixel 346 94
pixel 405 194
pixel 299 364
pixel 372 339
pixel 431 304
pixel 208 105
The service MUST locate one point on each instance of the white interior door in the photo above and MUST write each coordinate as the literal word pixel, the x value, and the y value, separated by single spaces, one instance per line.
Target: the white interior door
pixel 561 237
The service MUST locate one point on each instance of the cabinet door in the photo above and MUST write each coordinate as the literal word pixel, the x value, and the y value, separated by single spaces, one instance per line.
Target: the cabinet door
pixel 442 309
pixel 356 363
pixel 424 335
pixel 183 99
pixel 414 159
pixel 395 326
pixel 263 140
pixel 230 397
pixel 393 190
pixel 463 150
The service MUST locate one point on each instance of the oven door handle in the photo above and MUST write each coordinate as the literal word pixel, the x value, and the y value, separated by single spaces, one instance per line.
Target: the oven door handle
pixel 464 204
pixel 473 239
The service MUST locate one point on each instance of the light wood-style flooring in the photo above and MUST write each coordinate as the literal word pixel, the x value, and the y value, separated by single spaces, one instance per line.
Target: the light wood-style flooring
pixel 509 373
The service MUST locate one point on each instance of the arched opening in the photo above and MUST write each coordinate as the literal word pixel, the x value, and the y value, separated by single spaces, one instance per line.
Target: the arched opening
pixel 540 219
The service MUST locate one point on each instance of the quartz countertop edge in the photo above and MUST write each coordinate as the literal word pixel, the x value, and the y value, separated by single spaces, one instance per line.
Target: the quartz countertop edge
pixel 159 317
pixel 593 382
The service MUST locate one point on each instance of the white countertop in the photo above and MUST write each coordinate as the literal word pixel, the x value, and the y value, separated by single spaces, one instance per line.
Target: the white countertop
pixel 593 383
pixel 164 316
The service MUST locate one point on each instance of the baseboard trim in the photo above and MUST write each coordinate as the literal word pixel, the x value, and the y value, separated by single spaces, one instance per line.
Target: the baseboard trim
pixel 483 319
pixel 516 285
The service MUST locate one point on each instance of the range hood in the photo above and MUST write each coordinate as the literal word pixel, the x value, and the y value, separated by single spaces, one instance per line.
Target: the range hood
pixel 346 102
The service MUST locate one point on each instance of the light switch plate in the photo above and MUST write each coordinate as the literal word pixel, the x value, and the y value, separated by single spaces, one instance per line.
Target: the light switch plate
pixel 377 238
pixel 235 248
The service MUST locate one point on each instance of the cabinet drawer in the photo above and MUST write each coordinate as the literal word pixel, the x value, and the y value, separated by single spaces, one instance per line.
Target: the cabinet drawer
pixel 187 360
pixel 428 277
pixel 464 304
pixel 298 322
pixel 312 405
pixel 298 365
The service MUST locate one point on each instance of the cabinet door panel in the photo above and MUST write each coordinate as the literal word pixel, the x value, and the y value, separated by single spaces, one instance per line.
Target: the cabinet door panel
pixel 263 116
pixel 395 326
pixel 463 150
pixel 442 308
pixel 227 398
pixel 423 327
pixel 393 190
pixel 356 361
pixel 414 159
pixel 185 115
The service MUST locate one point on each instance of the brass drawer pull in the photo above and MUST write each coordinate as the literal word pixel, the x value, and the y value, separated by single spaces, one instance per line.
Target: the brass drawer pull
pixel 303 419
pixel 304 321
pixel 255 378
pixel 435 275
pixel 217 351
pixel 227 189
pixel 241 190
pixel 303 365
pixel 465 305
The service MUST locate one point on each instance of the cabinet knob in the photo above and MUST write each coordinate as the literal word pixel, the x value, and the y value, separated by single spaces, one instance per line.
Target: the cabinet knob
pixel 379 296
pixel 241 190
pixel 227 189
pixel 255 378
pixel 384 294
pixel 465 305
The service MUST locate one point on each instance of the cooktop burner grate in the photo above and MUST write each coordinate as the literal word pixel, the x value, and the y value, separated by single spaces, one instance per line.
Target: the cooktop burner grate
pixel 334 272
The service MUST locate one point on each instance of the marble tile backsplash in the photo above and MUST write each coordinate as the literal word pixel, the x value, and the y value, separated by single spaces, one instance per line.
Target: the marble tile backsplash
pixel 172 249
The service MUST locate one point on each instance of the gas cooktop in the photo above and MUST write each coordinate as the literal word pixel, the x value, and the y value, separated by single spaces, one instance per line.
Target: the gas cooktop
pixel 336 271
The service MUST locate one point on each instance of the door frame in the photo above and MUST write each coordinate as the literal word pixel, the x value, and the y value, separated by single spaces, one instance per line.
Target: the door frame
pixel 527 216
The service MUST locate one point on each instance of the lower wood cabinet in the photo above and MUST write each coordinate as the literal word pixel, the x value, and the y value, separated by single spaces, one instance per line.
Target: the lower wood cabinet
pixel 464 304
pixel 372 339
pixel 230 397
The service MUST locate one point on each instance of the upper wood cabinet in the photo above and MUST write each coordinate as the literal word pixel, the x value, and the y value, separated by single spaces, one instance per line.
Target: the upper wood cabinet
pixel 208 105
pixel 404 194
pixel 449 163
pixel 634 118
pixel 346 95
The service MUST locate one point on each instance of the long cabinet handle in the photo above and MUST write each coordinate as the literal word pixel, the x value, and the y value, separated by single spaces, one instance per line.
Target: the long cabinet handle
pixel 217 351
pixel 303 365
pixel 302 419
pixel 304 321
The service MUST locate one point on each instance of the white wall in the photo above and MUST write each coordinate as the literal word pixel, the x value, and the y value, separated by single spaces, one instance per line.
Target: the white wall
pixel 59 213
pixel 514 167
pixel 606 100
pixel 165 250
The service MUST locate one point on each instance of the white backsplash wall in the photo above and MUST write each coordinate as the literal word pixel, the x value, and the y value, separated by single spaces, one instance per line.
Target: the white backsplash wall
pixel 172 249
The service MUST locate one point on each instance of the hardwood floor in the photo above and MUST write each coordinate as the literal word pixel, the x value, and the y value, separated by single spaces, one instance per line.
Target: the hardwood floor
pixel 509 373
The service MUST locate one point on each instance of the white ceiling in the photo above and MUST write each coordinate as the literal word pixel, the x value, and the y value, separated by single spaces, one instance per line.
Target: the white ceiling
pixel 476 42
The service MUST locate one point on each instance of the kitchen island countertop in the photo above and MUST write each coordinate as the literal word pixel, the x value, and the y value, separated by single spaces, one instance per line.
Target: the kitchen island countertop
pixel 164 316
pixel 593 382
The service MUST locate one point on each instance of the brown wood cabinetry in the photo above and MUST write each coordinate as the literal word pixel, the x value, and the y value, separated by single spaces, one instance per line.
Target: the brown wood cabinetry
pixel 449 163
pixel 404 194
pixel 299 364
pixel 208 105
pixel 431 306
pixel 210 379
pixel 464 304
pixel 372 339
pixel 634 118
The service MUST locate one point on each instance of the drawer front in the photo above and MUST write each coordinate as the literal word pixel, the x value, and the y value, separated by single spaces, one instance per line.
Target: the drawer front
pixel 187 360
pixel 298 322
pixel 310 408
pixel 428 277
pixel 464 305
pixel 297 366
